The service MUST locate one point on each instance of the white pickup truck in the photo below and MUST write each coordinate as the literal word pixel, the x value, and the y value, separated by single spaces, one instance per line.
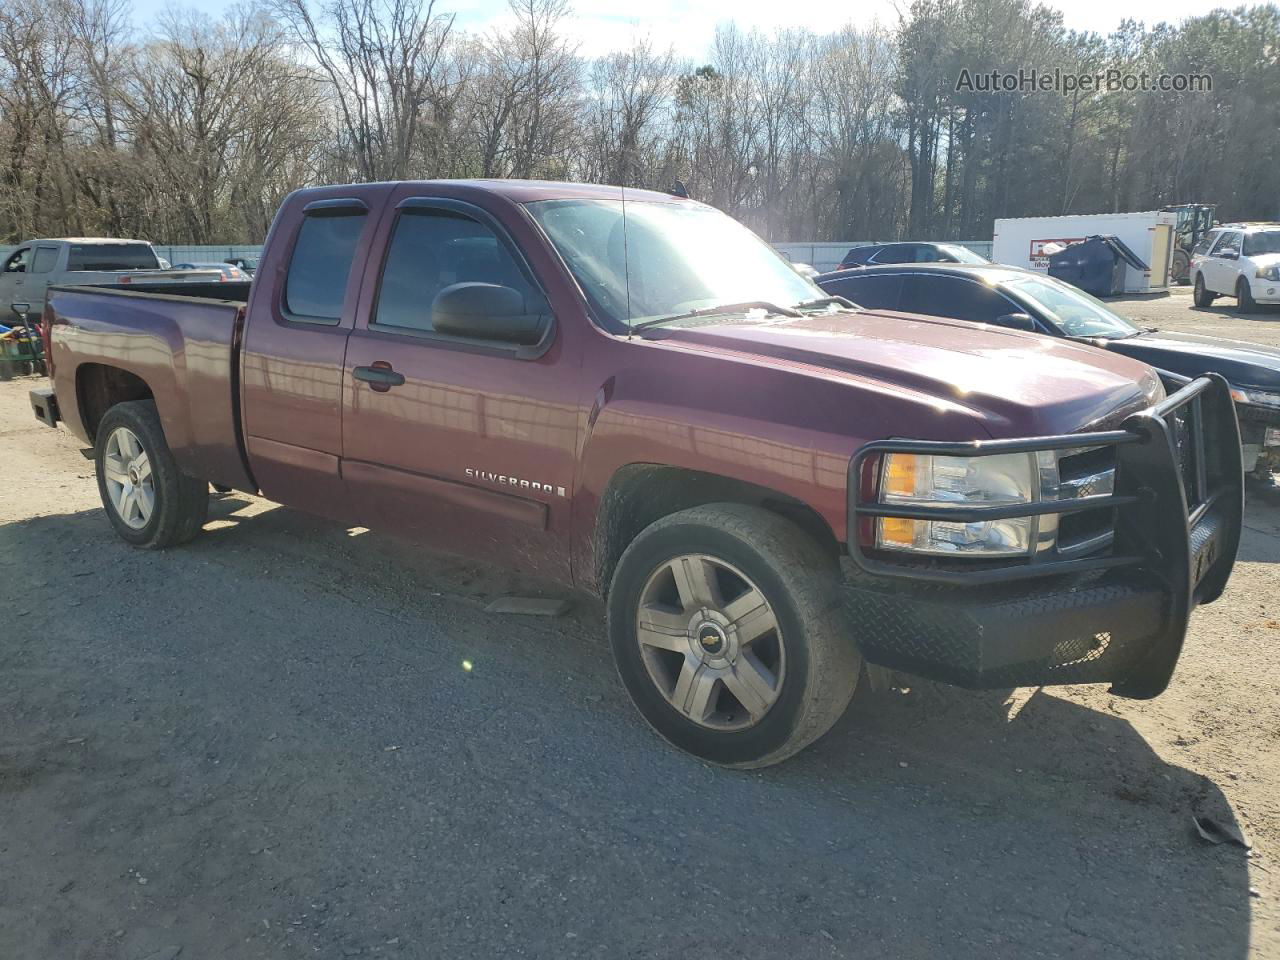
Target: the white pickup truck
pixel 81 261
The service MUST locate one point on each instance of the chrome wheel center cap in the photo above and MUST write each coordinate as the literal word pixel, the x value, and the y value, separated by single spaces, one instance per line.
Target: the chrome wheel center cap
pixel 711 638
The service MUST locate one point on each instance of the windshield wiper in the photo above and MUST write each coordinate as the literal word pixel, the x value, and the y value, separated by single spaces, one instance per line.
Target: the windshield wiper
pixel 745 307
pixel 826 302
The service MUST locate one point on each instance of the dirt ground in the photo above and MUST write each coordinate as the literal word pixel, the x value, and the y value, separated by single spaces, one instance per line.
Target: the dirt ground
pixel 265 745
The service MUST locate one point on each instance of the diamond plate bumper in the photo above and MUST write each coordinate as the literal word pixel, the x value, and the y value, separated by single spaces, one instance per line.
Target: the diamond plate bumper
pixel 1118 617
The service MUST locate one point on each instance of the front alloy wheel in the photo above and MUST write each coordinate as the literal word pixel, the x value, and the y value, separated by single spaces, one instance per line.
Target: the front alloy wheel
pixel 710 642
pixel 729 635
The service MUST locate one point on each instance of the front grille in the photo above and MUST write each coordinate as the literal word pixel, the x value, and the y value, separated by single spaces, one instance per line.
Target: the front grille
pixel 1086 473
pixel 1186 427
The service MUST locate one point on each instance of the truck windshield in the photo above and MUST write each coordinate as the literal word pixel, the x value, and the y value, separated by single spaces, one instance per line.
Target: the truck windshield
pixel 962 254
pixel 675 258
pixel 1077 313
pixel 112 256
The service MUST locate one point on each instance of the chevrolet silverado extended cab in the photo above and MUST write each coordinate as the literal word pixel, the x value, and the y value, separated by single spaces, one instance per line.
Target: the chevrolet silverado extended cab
pixel 635 395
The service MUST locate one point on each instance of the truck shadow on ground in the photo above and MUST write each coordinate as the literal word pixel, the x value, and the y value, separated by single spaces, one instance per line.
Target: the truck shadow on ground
pixel 930 822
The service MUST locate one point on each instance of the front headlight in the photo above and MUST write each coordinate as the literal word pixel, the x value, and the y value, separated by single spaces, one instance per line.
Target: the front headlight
pixel 1258 397
pixel 920 479
pixel 1269 273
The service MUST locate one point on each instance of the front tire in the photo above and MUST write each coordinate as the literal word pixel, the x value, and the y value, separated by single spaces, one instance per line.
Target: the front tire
pixel 1201 294
pixel 1244 297
pixel 149 501
pixel 726 627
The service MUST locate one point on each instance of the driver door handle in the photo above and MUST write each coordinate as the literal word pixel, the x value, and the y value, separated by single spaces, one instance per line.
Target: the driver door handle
pixel 379 376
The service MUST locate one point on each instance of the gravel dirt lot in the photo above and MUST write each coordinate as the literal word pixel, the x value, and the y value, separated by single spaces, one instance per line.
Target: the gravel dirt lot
pixel 265 745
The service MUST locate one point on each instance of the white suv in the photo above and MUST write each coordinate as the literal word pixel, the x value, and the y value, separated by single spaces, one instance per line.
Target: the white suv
pixel 1240 260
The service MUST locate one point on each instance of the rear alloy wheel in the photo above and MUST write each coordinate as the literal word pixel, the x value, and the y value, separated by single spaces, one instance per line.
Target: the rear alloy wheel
pixel 1244 297
pixel 149 501
pixel 727 630
pixel 1200 293
pixel 130 485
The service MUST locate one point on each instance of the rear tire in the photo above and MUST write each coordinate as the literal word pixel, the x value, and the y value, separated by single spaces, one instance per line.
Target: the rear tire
pixel 1244 297
pixel 780 672
pixel 1181 269
pixel 1201 294
pixel 149 501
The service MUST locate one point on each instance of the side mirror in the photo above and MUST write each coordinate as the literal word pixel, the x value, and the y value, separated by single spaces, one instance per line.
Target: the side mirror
pixel 1229 255
pixel 490 311
pixel 1017 321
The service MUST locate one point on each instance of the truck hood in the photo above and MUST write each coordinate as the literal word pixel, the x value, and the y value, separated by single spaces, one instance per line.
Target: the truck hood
pixel 1016 383
pixel 1192 355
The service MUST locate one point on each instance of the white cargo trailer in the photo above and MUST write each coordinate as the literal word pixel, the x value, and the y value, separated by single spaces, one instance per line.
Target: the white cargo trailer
pixel 1021 242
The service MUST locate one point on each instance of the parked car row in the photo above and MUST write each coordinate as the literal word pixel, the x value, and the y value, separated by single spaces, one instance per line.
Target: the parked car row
pixel 1002 296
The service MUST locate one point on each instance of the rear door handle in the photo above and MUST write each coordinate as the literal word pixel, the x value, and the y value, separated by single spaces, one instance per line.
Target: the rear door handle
pixel 380 376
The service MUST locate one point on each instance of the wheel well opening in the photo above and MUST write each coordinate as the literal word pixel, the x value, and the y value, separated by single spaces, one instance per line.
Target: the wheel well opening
pixel 640 494
pixel 100 387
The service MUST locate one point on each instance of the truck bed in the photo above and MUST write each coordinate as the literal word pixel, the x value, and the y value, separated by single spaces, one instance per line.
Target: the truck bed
pixel 184 346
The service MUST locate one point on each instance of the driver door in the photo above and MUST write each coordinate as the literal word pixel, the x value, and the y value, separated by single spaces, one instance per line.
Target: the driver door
pixel 467 445
pixel 13 282
pixel 1220 268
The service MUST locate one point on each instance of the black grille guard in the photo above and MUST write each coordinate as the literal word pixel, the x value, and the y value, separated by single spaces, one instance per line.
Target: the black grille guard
pixel 1177 507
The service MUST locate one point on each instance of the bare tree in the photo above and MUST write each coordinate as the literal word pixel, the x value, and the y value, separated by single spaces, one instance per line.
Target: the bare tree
pixel 380 60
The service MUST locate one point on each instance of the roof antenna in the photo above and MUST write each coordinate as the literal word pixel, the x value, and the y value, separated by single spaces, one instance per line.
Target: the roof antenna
pixel 626 255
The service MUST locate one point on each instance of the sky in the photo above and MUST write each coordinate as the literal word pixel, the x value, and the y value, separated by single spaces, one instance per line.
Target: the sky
pixel 603 25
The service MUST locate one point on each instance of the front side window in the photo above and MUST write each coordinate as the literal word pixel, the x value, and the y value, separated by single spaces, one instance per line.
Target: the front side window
pixel 942 296
pixel 1262 242
pixel 44 259
pixel 666 260
pixel 18 262
pixel 434 249
pixel 1228 243
pixel 111 257
pixel 316 284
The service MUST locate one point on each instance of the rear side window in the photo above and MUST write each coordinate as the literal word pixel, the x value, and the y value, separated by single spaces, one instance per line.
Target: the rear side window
pixel 1205 243
pixel 954 297
pixel 431 250
pixel 896 253
pixel 112 256
pixel 44 259
pixel 316 284
pixel 876 292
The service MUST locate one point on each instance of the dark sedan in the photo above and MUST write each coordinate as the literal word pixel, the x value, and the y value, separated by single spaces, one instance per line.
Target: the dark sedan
pixel 879 254
pixel 1025 300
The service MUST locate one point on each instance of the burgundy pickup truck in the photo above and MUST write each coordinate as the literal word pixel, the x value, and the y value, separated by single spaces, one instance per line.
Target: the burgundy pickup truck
pixel 637 396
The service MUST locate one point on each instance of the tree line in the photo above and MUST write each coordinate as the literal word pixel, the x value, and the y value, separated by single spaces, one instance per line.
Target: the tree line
pixel 192 130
